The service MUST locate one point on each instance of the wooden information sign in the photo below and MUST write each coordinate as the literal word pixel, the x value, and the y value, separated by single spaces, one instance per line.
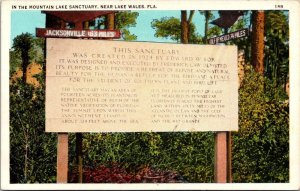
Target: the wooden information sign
pixel 114 86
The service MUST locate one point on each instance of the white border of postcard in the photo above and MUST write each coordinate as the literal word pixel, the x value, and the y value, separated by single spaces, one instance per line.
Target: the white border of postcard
pixel 294 17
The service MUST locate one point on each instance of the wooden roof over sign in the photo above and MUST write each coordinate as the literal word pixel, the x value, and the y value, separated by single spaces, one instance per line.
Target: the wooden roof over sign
pixel 77 16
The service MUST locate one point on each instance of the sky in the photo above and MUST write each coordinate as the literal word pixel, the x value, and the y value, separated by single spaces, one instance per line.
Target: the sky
pixel 27 21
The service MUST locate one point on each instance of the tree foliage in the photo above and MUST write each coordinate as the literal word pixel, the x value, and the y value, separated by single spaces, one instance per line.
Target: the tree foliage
pixel 15 60
pixel 277 52
pixel 123 21
pixel 214 31
pixel 170 28
pixel 167 27
pixel 23 43
pixel 35 53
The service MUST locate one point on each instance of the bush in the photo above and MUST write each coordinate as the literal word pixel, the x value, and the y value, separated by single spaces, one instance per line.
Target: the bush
pixel 32 151
pixel 261 147
pixel 115 173
pixel 189 154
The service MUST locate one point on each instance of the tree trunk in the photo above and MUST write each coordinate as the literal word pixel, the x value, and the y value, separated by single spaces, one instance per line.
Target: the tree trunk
pixel 257 44
pixel 189 21
pixel 110 22
pixel 206 14
pixel 26 159
pixel 184 28
pixel 25 63
pixel 192 13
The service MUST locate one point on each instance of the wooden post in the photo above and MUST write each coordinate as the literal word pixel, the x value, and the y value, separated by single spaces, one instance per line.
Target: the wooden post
pixel 221 157
pixel 229 160
pixel 79 158
pixel 228 141
pixel 62 158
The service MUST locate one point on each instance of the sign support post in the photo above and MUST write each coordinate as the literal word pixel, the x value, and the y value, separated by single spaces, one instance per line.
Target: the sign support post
pixel 79 157
pixel 229 158
pixel 62 158
pixel 221 166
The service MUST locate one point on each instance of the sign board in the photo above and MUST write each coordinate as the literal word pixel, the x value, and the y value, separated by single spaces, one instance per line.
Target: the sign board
pixel 71 33
pixel 230 36
pixel 117 86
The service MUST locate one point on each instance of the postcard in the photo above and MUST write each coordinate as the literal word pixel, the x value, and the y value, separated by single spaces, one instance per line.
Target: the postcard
pixel 150 95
